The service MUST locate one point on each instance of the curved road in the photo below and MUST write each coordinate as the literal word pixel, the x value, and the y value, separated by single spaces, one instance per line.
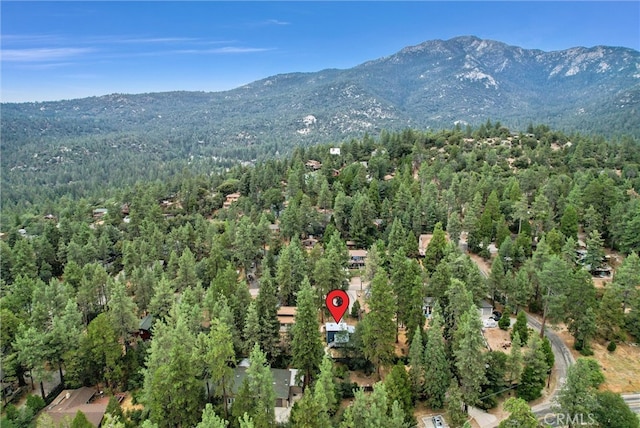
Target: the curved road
pixel 563 359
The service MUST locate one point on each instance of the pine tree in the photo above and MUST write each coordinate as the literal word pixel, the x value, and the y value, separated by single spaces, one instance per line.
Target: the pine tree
pixel 210 419
pixel 515 361
pixel 416 364
pixel 454 405
pixel 436 365
pixel 435 251
pixel 578 394
pixel 398 388
pixel 172 391
pixel 468 344
pixel 306 344
pixel 251 330
pixel 256 397
pixel 379 329
pixel 267 307
pixel 520 415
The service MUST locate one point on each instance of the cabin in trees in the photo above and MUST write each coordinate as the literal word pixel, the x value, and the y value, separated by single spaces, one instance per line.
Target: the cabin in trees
pixel 286 317
pixel 287 390
pixel 230 199
pixel 338 334
pixel 313 164
pixel 144 330
pixel 357 258
pixel 98 213
pixel 71 401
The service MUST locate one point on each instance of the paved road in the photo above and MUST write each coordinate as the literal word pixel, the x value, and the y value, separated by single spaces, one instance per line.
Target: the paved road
pixel 563 359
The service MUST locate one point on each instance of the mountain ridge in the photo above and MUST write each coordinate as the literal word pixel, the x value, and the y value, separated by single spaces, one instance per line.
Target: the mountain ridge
pixel 435 84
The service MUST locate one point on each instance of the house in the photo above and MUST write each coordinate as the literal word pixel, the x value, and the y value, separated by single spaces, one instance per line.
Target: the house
pixel 309 242
pixel 485 308
pixel 71 401
pixel 287 390
pixel 337 334
pixel 99 212
pixel 286 317
pixel 357 258
pixel 230 199
pixel 274 229
pixel 423 243
pixel 334 151
pixel 144 330
pixel 427 306
pixel 313 164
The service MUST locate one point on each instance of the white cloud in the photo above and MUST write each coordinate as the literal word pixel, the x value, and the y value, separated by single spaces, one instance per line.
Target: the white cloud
pixel 42 54
pixel 277 22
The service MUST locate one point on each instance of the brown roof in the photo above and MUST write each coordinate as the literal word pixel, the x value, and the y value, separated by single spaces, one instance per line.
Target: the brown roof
pixel 287 311
pixel 70 401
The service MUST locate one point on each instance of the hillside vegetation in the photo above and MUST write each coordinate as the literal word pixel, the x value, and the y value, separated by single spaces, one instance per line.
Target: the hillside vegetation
pixel 193 246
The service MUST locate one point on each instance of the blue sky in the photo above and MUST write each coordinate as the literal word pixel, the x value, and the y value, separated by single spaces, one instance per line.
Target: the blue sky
pixel 62 50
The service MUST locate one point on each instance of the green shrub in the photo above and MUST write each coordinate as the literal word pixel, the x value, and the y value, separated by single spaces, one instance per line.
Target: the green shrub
pixel 505 322
pixel 35 403
pixel 611 347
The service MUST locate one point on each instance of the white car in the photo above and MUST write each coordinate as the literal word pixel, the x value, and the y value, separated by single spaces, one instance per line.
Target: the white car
pixel 490 323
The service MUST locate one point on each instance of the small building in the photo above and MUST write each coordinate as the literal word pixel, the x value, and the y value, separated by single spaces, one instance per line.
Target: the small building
pixel 144 330
pixel 334 151
pixel 286 317
pixel 313 164
pixel 230 199
pixel 338 334
pixel 274 229
pixel 287 389
pixel 423 243
pixel 485 308
pixel 427 306
pixel 71 401
pixel 357 258
pixel 309 243
pixel 100 212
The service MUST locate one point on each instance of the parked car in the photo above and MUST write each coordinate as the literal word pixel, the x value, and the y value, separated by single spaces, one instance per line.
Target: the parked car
pixel 438 422
pixel 496 315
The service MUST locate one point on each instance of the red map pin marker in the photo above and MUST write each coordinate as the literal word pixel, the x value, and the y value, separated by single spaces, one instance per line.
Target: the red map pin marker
pixel 337 302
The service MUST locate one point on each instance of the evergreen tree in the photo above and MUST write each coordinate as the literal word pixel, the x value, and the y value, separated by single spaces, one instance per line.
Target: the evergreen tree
pixel 398 388
pixel 214 355
pixel 577 397
pixel 455 406
pixel 514 363
pixel 436 365
pixel 613 411
pixel 535 370
pixel 416 364
pixel 210 419
pixel 468 344
pixel 251 330
pixel 454 228
pixel 267 307
pixel 122 312
pixel 379 329
pixel 520 415
pixel 256 397
pixel 306 345
pixel 435 251
pixel 172 391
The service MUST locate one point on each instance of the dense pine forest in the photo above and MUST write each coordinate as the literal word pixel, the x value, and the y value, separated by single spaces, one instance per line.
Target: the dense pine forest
pixel 170 290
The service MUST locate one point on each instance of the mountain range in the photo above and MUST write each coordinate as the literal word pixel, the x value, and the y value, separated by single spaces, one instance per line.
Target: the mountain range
pixel 436 84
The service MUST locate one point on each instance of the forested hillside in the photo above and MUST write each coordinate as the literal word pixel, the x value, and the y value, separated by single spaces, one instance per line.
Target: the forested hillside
pixel 79 146
pixel 213 255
